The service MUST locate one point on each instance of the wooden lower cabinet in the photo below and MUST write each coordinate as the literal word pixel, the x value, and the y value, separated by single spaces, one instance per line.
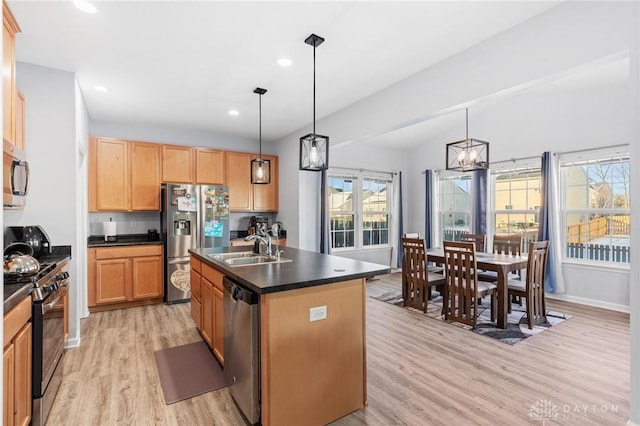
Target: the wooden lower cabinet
pixel 125 276
pixel 17 365
pixel 218 324
pixel 206 305
pixel 195 282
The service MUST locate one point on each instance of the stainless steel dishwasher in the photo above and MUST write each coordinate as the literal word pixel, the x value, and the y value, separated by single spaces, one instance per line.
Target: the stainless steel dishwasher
pixel 241 348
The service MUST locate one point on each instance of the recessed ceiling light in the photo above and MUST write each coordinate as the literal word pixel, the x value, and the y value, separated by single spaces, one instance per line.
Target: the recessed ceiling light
pixel 101 88
pixel 234 112
pixel 284 62
pixel 85 6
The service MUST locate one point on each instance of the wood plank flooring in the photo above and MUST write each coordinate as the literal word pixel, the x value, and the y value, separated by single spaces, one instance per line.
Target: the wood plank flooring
pixel 420 371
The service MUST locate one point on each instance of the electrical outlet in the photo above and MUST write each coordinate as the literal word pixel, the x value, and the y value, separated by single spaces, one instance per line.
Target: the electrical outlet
pixel 133 224
pixel 318 313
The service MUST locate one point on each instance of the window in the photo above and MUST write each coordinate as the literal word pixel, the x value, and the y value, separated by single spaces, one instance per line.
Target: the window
pixel 455 206
pixel 359 210
pixel 595 209
pixel 516 202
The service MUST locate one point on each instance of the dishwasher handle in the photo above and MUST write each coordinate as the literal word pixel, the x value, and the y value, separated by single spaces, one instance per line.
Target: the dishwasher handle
pixel 238 292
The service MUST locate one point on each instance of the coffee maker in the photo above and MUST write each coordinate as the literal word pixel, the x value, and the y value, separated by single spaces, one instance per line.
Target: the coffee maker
pixel 258 224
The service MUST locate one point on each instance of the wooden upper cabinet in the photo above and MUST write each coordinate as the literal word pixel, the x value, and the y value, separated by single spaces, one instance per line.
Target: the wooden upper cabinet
pixel 239 180
pixel 108 174
pixel 123 175
pixel 265 196
pixel 20 123
pixel 210 167
pixel 177 164
pixel 9 93
pixel 144 169
pixel 243 196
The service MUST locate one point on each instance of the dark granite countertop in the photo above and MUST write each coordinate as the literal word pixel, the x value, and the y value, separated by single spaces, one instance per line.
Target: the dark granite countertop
pixel 14 293
pixel 123 240
pixel 306 269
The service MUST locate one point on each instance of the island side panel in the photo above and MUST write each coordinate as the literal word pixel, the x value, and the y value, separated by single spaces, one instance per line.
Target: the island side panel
pixel 313 372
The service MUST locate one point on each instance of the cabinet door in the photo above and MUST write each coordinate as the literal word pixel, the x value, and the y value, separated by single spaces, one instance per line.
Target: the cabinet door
pixel 207 311
pixel 22 374
pixel 238 165
pixel 20 141
pixel 8 390
pixel 147 277
pixel 110 174
pixel 113 280
pixel 194 282
pixel 144 169
pixel 218 326
pixel 9 29
pixel 177 164
pixel 210 166
pixel 265 197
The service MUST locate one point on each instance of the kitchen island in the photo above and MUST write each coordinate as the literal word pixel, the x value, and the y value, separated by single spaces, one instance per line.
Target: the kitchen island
pixel 313 365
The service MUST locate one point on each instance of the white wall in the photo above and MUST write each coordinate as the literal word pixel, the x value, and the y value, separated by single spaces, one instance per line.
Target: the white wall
pixel 51 149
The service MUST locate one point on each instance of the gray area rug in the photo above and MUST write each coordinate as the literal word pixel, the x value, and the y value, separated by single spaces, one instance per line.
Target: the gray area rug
pixel 516 331
pixel 188 370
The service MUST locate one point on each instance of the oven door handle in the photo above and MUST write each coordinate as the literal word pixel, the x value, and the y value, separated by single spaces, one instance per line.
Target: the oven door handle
pixel 46 307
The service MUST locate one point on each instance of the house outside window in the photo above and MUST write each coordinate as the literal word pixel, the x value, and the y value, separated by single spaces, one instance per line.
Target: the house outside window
pixel 455 205
pixel 596 212
pixel 359 210
pixel 516 202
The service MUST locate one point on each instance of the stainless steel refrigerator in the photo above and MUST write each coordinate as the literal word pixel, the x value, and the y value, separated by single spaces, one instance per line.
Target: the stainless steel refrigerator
pixel 193 216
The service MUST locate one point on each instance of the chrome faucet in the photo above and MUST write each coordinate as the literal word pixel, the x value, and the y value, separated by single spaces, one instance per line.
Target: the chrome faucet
pixel 264 243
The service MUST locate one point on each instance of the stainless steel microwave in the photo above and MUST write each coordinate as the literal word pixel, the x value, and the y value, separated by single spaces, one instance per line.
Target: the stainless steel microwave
pixel 15 176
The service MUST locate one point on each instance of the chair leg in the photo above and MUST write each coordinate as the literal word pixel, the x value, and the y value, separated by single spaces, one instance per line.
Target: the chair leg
pixel 494 298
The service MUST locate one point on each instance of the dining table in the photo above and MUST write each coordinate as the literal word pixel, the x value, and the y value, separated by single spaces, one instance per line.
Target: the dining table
pixel 502 264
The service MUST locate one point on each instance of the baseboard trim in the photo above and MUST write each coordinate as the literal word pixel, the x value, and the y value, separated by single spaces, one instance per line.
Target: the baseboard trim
pixel 72 343
pixel 588 302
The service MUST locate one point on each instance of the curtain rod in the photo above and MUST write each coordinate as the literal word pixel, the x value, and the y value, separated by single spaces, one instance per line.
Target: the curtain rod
pixel 362 170
pixel 591 149
pixel 513 160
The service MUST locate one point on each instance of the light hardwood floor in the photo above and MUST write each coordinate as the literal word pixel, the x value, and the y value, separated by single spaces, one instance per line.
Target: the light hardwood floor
pixel 420 371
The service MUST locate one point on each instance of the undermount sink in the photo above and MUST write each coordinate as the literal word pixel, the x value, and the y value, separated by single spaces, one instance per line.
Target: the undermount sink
pixel 246 258
pixel 237 254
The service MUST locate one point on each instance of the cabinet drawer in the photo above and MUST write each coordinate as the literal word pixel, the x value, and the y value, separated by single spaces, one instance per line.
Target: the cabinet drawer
pixel 214 276
pixel 196 264
pixel 130 251
pixel 16 318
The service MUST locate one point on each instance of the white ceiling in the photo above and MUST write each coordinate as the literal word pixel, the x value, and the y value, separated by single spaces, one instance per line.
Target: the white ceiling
pixel 186 64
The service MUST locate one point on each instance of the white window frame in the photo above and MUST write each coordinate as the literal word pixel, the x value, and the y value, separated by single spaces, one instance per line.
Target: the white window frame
pixel 358 177
pixel 448 175
pixel 518 166
pixel 588 157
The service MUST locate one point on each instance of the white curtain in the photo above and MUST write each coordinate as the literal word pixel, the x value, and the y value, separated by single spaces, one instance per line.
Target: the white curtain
pixel 555 222
pixel 396 218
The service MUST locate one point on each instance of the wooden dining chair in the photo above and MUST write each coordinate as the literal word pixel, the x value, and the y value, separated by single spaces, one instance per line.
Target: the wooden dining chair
pixel 463 290
pixel 532 288
pixel 480 240
pixel 510 245
pixel 417 281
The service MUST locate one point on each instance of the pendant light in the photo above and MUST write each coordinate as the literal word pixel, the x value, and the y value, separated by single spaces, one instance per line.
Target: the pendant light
pixel 314 148
pixel 260 168
pixel 468 154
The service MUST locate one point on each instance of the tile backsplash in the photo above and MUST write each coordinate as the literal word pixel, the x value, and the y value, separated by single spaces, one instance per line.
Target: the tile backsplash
pixel 128 223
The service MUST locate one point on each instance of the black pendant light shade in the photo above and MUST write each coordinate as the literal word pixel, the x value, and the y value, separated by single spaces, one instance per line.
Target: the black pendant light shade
pixel 260 168
pixel 468 154
pixel 314 148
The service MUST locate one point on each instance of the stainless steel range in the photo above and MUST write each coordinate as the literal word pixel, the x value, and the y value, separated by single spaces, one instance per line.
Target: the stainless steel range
pixel 50 286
